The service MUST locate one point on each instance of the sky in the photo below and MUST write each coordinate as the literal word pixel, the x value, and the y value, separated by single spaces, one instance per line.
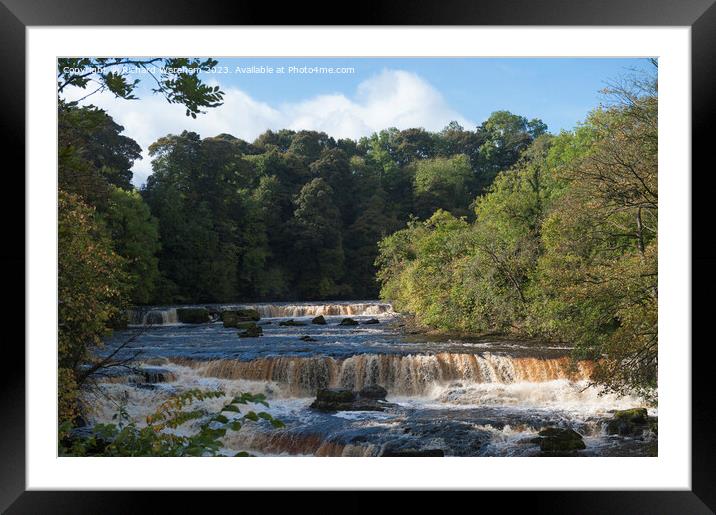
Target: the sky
pixel 369 95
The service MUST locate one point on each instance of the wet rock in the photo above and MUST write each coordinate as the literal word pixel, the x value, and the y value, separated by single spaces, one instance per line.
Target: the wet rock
pixel 232 317
pixel 372 321
pixel 307 338
pixel 348 321
pixel 373 391
pixel 320 320
pixel 291 323
pixel 214 314
pixel 557 439
pixel 413 453
pixel 245 325
pixel 335 395
pixel 251 314
pixel 631 422
pixel 154 375
pixel 80 421
pixel 193 315
pixel 251 332
pixel 265 322
pixel 340 399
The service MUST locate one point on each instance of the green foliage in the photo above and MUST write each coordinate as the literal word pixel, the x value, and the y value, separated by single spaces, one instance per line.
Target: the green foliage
pixel 598 276
pixel 92 289
pixel 202 435
pixel 93 154
pixel 177 79
pixel 474 277
pixel 248 221
pixel 563 246
pixel 318 244
pixel 135 234
pixel 443 182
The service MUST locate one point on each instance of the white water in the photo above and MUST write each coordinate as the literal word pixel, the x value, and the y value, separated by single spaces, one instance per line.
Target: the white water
pixel 486 398
pixel 167 315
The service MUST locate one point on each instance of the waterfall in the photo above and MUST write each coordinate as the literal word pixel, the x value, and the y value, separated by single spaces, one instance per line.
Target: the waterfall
pixel 301 444
pixel 411 374
pixel 312 310
pixel 159 315
pixel 152 316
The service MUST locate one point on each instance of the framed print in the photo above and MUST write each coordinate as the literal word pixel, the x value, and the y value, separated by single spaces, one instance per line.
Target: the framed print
pixel 428 233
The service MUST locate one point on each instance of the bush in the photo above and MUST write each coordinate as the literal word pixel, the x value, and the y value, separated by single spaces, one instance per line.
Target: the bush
pixel 126 438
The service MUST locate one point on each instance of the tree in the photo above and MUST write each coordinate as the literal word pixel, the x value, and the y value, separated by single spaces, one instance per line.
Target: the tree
pixel 92 288
pixel 563 246
pixel 506 136
pixel 599 273
pixel 135 236
pixel 361 244
pixel 332 166
pixel 318 246
pixel 194 192
pixel 93 155
pixel 443 183
pixel 308 145
pixel 177 79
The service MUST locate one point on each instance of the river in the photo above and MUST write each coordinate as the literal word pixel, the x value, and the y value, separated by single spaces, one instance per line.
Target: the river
pixel 485 398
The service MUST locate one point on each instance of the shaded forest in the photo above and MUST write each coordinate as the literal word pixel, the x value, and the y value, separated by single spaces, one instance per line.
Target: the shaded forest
pixel 292 215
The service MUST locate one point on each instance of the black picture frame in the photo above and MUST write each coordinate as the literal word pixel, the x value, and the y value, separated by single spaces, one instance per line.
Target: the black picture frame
pixel 17 15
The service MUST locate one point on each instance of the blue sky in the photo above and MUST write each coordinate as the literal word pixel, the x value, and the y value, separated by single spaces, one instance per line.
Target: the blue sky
pixel 560 91
pixel 381 93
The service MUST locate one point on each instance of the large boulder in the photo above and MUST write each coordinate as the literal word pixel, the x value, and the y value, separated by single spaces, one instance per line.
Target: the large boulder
pixel 320 320
pixel 214 313
pixel 193 315
pixel 630 422
pixel 154 375
pixel 252 331
pixel 335 395
pixel 372 321
pixel 245 325
pixel 373 391
pixel 341 399
pixel 232 317
pixel 558 439
pixel 291 323
pixel 348 321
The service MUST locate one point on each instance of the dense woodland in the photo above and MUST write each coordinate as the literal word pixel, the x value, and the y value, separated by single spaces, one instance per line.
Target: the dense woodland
pixel 562 246
pixel 291 215
pixel 502 227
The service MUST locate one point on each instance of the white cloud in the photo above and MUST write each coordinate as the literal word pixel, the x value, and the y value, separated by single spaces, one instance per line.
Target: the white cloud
pixel 393 98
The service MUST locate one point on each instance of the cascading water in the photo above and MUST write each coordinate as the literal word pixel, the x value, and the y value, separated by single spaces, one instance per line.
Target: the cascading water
pixel 481 398
pixel 152 316
pixel 401 375
pixel 163 315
